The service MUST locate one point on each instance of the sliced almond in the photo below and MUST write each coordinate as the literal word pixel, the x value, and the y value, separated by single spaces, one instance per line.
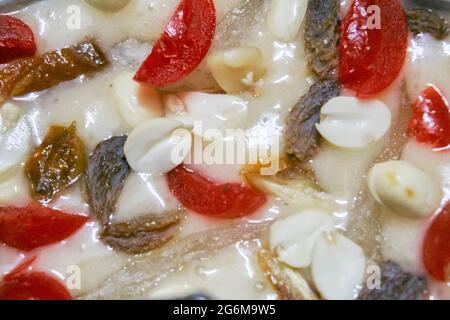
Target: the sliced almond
pixel 135 103
pixel 350 122
pixel 293 238
pixel 338 266
pixel 237 69
pixel 215 111
pixel 285 18
pixel 157 146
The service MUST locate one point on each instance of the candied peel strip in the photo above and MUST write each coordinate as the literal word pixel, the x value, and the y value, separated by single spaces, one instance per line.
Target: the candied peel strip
pixel 143 272
pixel 289 284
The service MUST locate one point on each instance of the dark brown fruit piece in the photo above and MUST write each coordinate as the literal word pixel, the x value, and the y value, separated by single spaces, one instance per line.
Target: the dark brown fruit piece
pixel 396 284
pixel 321 37
pixel 427 21
pixel 301 134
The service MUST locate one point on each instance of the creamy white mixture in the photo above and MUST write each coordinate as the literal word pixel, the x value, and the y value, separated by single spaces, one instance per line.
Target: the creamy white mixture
pixel 232 273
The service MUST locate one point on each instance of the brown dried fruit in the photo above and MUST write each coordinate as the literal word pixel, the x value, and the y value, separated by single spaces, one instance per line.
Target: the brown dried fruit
pixel 427 21
pixel 57 163
pixel 50 69
pixel 106 175
pixel 396 284
pixel 142 234
pixel 321 37
pixel 289 284
pixel 301 134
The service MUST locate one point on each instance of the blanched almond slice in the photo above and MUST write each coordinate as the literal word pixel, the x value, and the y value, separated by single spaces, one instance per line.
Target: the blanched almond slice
pixel 285 18
pixel 215 111
pixel 294 237
pixel 14 140
pixel 237 69
pixel 338 266
pixel 135 103
pixel 157 146
pixel 108 5
pixel 404 188
pixel 350 122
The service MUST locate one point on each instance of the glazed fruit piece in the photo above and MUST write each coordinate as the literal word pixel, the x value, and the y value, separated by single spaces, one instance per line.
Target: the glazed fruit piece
pixel 430 121
pixel 57 163
pixel 16 39
pixel 50 69
pixel 182 46
pixel 33 226
pixel 228 200
pixel 22 284
pixel 372 48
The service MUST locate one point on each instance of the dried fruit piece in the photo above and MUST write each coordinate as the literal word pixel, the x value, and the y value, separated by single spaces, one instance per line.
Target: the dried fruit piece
pixel 436 246
pixel 50 69
pixel 372 47
pixel 183 45
pixel 141 273
pixel 106 175
pixel 107 170
pixel 220 200
pixel 289 284
pixel 142 234
pixel 301 133
pixel 28 228
pixel 427 21
pixel 321 37
pixel 396 284
pixel 57 163
pixel 32 286
pixel 430 120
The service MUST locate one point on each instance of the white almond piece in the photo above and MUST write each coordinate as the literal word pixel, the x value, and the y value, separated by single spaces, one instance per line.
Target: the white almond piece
pixel 214 111
pixel 404 188
pixel 108 5
pixel 237 69
pixel 9 116
pixel 285 18
pixel 338 266
pixel 135 103
pixel 154 146
pixel 293 238
pixel 14 140
pixel 350 122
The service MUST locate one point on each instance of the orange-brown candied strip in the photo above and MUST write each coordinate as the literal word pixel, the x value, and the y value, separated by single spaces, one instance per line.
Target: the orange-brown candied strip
pixel 57 163
pixel 48 70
